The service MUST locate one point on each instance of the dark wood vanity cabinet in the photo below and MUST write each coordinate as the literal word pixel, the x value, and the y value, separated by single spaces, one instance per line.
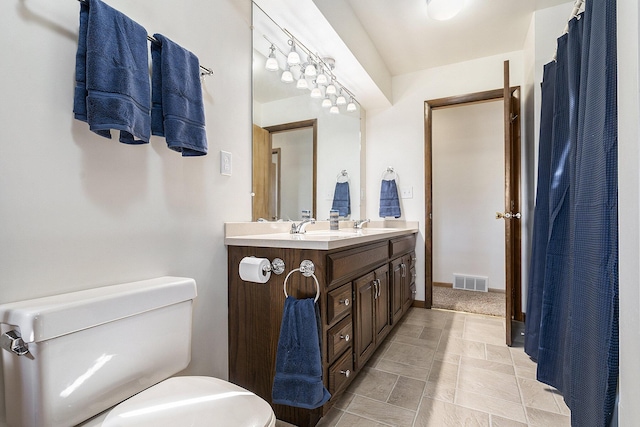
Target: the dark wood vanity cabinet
pixel 358 303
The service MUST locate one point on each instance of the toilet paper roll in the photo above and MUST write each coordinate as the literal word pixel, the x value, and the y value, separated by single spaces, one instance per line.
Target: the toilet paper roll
pixel 257 270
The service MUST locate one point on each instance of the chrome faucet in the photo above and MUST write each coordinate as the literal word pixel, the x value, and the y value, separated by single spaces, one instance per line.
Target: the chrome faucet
pixel 300 228
pixel 357 224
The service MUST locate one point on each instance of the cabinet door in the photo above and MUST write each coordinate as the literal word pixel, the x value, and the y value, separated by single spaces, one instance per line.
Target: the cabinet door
pixel 396 289
pixel 364 339
pixel 382 303
pixel 409 281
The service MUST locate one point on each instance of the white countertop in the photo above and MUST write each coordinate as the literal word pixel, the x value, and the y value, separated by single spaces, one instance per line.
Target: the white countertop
pixel 318 236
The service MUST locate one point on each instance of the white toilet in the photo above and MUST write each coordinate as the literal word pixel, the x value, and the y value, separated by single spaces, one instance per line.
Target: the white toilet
pixel 105 357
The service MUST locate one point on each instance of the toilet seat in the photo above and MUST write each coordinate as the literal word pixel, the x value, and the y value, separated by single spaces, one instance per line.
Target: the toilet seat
pixel 190 401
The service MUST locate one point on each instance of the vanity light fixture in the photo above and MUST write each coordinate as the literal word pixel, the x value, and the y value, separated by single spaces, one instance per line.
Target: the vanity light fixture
pixel 293 58
pixel 287 76
pixel 442 10
pixel 321 78
pixel 326 102
pixel 341 100
pixel 272 62
pixel 316 92
pixel 334 109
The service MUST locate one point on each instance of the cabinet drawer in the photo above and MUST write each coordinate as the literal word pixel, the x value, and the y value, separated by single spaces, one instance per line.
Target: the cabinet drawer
pixel 339 302
pixel 356 261
pixel 340 373
pixel 402 245
pixel 339 338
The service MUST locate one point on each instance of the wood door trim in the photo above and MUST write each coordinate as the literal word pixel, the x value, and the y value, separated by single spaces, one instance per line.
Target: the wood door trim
pixel 429 106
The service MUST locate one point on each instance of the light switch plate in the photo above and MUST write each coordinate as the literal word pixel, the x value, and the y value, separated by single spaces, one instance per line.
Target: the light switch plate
pixel 407 192
pixel 225 163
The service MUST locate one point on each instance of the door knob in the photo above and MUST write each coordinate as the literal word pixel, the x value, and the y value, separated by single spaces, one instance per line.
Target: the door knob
pixel 508 215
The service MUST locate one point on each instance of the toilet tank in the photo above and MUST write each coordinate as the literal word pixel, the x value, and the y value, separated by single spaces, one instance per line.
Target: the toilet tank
pixel 92 349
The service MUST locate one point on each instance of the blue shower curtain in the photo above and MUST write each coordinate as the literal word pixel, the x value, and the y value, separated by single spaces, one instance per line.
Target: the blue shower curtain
pixel 572 306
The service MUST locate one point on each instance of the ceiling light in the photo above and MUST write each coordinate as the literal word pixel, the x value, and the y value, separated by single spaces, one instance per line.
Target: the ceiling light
pixel 341 100
pixel 293 58
pixel 334 109
pixel 322 78
pixel 351 107
pixel 287 76
pixel 441 10
pixel 316 92
pixel 326 102
pixel 272 62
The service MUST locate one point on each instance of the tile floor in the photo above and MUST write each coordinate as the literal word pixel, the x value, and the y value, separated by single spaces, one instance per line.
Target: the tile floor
pixel 443 368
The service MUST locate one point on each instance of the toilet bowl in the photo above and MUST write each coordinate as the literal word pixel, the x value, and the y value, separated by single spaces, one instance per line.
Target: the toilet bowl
pixel 107 356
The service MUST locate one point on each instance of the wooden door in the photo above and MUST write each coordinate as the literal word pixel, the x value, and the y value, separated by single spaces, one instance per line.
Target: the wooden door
pixel 364 339
pixel 261 173
pixel 511 215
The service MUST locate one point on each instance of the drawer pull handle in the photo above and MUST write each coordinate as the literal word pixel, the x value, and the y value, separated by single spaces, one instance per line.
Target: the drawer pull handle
pixel 345 301
pixel 346 373
pixel 345 337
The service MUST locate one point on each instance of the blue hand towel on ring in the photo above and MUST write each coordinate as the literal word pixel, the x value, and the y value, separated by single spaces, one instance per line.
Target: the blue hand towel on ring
pixel 298 380
pixel 389 201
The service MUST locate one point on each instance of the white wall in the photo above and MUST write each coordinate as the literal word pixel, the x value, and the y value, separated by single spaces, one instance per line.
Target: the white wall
pixel 468 189
pixel 79 211
pixel 395 136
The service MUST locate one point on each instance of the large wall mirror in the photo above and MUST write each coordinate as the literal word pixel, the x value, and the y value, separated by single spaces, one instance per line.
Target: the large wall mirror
pixel 301 151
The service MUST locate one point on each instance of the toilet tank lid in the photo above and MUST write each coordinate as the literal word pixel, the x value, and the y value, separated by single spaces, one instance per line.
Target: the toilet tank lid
pixel 44 318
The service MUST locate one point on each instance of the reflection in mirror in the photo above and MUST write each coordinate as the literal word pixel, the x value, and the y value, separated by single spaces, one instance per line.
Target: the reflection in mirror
pixel 299 182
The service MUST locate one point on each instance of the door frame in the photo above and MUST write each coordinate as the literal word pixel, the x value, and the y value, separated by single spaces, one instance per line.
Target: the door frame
pixel 514 178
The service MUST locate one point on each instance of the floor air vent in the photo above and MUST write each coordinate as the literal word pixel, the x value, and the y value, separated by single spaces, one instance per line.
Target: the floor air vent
pixel 470 283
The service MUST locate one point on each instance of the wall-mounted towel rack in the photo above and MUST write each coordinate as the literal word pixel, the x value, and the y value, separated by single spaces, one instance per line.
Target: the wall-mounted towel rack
pixel 205 71
pixel 389 173
pixel 343 176
pixel 307 268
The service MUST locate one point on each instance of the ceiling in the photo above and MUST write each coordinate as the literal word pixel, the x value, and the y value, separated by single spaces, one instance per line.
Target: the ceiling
pixel 375 40
pixel 408 41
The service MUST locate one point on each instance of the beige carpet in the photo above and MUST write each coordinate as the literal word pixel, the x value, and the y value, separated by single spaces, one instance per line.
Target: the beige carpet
pixel 490 303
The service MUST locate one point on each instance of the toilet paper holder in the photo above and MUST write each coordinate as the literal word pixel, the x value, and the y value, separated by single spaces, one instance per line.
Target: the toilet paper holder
pixel 277 266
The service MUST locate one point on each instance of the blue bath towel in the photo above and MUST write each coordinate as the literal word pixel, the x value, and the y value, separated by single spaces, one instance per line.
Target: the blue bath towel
pixel 178 111
pixel 389 201
pixel 298 380
pixel 112 74
pixel 341 199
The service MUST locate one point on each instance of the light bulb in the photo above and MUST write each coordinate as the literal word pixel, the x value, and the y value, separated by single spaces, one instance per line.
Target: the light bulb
pixel 334 110
pixel 302 83
pixel 310 70
pixel 331 89
pixel 287 76
pixel 272 62
pixel 322 79
pixel 351 107
pixel 326 102
pixel 316 92
pixel 341 100
pixel 293 58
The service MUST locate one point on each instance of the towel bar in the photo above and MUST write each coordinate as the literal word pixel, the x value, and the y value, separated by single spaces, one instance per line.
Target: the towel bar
pixel 205 71
pixel 307 269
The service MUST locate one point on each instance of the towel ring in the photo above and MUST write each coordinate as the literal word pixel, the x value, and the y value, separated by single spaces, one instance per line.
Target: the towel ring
pixel 388 171
pixel 307 269
pixel 343 176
